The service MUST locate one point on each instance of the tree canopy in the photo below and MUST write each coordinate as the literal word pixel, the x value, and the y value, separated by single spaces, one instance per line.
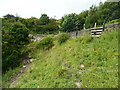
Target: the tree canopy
pixel 44 19
pixel 70 23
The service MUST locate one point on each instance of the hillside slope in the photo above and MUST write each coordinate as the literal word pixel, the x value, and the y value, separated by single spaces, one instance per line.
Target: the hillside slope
pixel 81 62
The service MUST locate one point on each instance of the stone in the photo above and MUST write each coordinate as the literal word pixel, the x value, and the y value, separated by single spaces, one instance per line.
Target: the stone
pixel 31 60
pixel 24 66
pixel 78 84
pixel 82 66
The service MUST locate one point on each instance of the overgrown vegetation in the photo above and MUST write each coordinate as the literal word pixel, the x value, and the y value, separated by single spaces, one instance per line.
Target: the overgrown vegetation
pixel 84 39
pixel 46 43
pixel 63 37
pixel 92 64
pixel 13 43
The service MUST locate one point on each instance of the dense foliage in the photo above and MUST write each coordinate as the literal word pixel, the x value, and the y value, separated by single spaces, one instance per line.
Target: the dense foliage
pixel 101 14
pixel 63 37
pixel 44 19
pixel 50 28
pixel 70 23
pixel 46 43
pixel 14 39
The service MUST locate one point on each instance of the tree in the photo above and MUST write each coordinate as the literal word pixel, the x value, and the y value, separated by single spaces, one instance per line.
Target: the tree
pixel 31 23
pixel 70 23
pixel 50 28
pixel 9 16
pixel 92 17
pixel 102 13
pixel 19 34
pixel 82 17
pixel 108 11
pixel 12 17
pixel 44 19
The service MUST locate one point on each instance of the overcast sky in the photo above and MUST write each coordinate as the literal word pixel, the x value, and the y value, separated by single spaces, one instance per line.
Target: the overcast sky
pixel 58 8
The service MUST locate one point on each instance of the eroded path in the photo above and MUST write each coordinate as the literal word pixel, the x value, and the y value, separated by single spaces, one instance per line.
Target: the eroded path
pixel 14 79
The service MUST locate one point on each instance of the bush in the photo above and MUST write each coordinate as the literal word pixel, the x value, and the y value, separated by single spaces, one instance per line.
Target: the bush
pixel 63 37
pixel 13 43
pixel 46 43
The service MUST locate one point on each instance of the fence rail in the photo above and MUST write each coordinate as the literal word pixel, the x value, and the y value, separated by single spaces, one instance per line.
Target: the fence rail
pixel 96 32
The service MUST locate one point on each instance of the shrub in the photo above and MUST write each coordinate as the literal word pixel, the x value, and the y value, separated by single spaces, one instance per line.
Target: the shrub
pixel 13 43
pixel 46 43
pixel 63 37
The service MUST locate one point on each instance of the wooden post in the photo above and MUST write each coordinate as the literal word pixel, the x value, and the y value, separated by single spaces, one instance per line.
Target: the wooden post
pixel 104 25
pixel 59 32
pixel 84 26
pixel 95 25
pixel 76 33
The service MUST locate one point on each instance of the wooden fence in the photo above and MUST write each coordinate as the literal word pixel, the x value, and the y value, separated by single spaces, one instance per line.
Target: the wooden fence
pixel 96 32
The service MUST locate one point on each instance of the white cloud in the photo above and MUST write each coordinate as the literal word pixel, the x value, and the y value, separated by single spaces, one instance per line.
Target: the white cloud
pixel 28 8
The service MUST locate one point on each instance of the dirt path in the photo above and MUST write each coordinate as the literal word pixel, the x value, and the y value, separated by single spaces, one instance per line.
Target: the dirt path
pixel 15 77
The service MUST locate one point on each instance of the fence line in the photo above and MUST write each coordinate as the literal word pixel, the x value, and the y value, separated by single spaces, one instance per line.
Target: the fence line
pixel 94 32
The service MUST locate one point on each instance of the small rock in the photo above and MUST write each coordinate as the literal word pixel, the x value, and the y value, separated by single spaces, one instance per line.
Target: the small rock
pixel 82 65
pixel 24 66
pixel 78 84
pixel 31 60
pixel 80 72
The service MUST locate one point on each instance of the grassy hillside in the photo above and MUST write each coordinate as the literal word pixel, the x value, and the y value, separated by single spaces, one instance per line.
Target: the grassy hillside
pixel 81 62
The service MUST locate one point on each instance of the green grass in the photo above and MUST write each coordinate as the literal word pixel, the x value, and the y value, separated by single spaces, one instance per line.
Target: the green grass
pixel 60 67
pixel 7 77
